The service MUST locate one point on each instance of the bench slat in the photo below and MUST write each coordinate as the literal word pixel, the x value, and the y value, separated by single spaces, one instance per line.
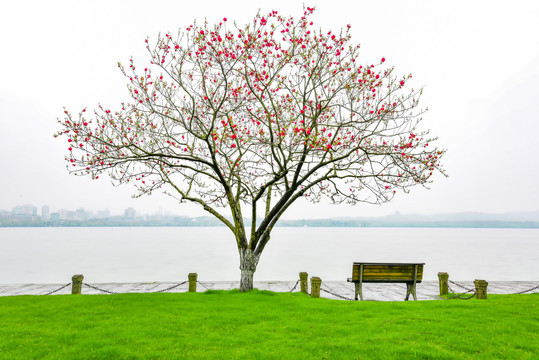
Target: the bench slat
pixel 380 272
pixel 388 271
pixel 388 268
pixel 389 276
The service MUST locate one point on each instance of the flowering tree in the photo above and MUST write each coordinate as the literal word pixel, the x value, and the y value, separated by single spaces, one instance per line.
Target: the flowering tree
pixel 246 120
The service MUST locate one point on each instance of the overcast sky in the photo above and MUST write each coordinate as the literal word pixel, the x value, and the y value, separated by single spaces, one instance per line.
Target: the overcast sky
pixel 478 62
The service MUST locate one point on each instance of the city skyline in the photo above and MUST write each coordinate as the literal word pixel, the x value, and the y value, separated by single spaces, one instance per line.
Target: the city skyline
pixel 130 212
pixel 45 213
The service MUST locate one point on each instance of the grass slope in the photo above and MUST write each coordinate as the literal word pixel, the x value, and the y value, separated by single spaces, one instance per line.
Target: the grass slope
pixel 265 325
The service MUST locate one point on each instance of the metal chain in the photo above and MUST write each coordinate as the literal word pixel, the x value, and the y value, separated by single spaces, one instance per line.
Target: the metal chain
pixel 98 289
pixel 525 291
pixel 168 289
pixel 294 288
pixel 52 292
pixel 463 287
pixel 337 295
pixel 204 286
pixel 459 296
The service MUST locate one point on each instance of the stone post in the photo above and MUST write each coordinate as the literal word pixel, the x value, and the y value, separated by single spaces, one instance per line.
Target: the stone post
pixel 315 287
pixel 480 289
pixel 303 282
pixel 443 278
pixel 193 282
pixel 76 284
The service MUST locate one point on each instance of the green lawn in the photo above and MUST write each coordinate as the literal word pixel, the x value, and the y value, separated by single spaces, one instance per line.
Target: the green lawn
pixel 265 325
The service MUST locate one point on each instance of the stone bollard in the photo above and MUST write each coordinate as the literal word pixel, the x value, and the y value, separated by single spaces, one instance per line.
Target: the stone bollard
pixel 443 278
pixel 303 282
pixel 76 284
pixel 480 289
pixel 193 282
pixel 315 287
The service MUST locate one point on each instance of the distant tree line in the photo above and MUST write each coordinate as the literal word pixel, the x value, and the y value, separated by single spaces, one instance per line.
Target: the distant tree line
pixel 205 221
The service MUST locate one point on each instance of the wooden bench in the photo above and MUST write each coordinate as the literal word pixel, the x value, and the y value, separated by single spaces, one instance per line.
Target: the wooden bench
pixel 410 274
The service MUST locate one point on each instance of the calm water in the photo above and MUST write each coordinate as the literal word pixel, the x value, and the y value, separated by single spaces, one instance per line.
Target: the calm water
pixel 53 255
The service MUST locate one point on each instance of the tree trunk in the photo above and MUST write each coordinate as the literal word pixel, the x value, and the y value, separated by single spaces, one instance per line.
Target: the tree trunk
pixel 248 263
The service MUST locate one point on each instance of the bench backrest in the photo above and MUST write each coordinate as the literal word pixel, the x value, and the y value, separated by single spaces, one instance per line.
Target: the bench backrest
pixel 387 272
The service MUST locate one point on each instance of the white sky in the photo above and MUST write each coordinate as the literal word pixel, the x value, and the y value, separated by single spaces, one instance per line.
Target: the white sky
pixel 478 61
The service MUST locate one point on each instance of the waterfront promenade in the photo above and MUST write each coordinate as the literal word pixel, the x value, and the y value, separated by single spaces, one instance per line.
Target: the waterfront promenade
pixel 427 290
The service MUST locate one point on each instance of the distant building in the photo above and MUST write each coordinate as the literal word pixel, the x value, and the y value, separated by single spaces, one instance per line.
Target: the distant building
pixel 25 210
pixel 19 214
pixel 55 216
pixel 103 214
pixel 62 213
pixel 45 213
pixel 82 214
pixel 129 213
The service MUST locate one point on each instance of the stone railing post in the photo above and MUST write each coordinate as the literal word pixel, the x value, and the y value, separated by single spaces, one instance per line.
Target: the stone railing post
pixel 443 278
pixel 193 282
pixel 315 287
pixel 303 282
pixel 76 284
pixel 480 289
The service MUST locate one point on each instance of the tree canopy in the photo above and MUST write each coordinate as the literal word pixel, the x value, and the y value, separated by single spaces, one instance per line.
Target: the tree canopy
pixel 255 117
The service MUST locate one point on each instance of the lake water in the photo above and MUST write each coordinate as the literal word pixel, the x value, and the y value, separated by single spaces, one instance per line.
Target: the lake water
pixel 145 254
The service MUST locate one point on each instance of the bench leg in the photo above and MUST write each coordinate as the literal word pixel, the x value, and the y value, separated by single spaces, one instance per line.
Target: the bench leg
pixel 410 289
pixel 358 291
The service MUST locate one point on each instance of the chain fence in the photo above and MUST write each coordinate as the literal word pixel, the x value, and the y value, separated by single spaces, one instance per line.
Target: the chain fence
pixel 525 291
pixel 460 296
pixel 55 291
pixel 296 285
pixel 460 286
pixel 204 286
pixel 335 294
pixel 456 295
pixel 169 288
pixel 150 292
pixel 294 288
pixel 99 289
pixel 468 290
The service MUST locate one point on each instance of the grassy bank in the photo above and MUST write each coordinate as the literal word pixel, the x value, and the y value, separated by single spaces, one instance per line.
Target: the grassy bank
pixel 265 325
